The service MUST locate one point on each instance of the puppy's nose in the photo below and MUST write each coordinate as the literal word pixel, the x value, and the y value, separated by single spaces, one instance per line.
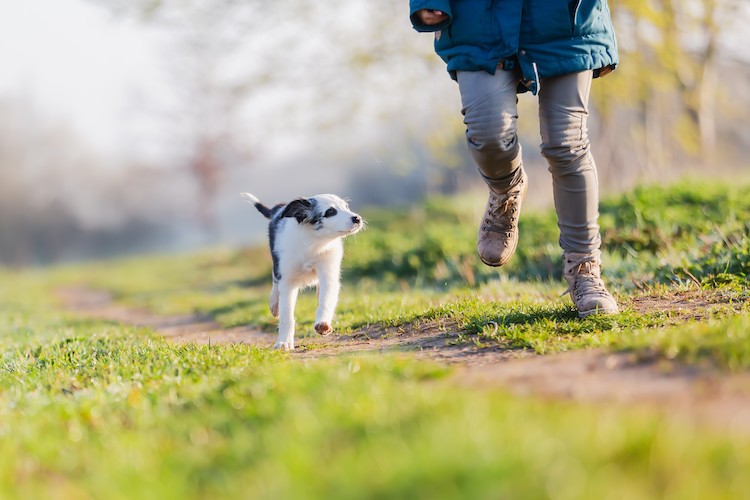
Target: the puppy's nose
pixel 356 219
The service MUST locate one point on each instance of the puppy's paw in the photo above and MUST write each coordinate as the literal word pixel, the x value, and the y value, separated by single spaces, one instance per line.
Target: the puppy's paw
pixel 323 328
pixel 284 346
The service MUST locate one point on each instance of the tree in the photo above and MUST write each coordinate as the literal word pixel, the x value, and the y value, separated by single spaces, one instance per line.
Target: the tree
pixel 245 72
pixel 670 52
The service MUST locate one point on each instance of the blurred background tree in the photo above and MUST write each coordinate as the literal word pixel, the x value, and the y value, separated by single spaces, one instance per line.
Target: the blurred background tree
pixel 673 54
pixel 289 97
pixel 230 59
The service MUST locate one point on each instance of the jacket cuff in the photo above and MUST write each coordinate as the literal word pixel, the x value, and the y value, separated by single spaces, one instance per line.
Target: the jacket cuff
pixel 441 5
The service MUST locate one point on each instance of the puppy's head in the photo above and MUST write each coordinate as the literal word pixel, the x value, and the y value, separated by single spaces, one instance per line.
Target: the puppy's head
pixel 326 214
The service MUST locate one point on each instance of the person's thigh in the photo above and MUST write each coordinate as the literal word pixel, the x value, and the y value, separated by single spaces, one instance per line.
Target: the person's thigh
pixel 490 109
pixel 563 115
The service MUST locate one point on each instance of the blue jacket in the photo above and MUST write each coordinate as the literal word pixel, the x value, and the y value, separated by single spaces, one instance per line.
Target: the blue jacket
pixel 544 37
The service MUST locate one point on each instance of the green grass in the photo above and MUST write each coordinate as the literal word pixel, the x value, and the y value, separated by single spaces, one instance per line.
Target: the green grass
pixel 94 409
pixel 678 234
pixel 724 344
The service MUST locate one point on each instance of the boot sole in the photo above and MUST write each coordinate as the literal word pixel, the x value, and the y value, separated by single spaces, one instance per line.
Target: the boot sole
pixel 598 311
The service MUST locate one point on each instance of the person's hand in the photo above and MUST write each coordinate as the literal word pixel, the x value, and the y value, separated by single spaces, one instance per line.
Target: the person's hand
pixel 431 17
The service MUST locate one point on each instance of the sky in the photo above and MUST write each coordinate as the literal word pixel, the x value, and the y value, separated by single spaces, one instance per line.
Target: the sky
pixel 76 63
pixel 72 65
pixel 80 64
pixel 111 80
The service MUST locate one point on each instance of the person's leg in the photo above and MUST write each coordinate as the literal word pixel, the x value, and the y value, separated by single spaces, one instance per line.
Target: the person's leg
pixel 490 109
pixel 489 106
pixel 563 111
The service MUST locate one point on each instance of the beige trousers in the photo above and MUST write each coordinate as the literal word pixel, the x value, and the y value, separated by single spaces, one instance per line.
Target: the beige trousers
pixel 490 112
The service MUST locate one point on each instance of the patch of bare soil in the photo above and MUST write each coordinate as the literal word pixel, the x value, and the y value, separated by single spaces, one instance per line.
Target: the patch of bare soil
pixel 689 393
pixel 684 305
pixel 182 328
pixel 696 393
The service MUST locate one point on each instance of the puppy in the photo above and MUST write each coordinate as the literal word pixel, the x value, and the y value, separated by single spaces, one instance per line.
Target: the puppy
pixel 306 236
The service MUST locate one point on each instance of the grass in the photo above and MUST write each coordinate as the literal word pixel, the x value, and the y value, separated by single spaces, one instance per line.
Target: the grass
pixel 724 344
pixel 94 409
pixel 110 412
pixel 682 234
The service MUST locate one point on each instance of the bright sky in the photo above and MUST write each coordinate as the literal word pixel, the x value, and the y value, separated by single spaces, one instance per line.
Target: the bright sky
pixel 73 61
pixel 77 63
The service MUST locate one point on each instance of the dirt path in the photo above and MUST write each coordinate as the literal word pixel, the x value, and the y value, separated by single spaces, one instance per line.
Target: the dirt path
pixel 593 375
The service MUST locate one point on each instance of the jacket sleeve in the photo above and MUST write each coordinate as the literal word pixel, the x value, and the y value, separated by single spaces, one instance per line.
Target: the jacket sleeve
pixel 441 5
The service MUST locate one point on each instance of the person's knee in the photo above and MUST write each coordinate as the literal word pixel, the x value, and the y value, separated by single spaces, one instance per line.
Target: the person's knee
pixel 495 141
pixel 565 142
pixel 568 156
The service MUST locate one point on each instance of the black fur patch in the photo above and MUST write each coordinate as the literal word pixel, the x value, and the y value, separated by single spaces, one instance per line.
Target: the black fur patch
pixel 276 209
pixel 272 229
pixel 263 210
pixel 316 220
pixel 302 209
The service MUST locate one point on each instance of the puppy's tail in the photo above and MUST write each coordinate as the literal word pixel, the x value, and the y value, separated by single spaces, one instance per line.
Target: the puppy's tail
pixel 260 206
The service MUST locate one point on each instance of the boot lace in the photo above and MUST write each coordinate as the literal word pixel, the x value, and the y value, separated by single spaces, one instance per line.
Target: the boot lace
pixel 585 279
pixel 502 213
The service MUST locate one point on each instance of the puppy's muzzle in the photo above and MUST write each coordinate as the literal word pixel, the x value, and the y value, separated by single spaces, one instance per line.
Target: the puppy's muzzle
pixel 357 224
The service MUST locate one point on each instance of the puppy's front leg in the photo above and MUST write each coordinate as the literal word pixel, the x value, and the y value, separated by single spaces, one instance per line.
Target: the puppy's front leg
pixel 328 296
pixel 287 301
pixel 274 301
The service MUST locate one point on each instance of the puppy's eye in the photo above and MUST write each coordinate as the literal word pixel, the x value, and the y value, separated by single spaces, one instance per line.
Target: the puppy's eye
pixel 330 212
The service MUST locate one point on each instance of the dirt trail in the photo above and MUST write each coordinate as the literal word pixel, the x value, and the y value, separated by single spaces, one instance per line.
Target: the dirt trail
pixel 593 375
pixel 183 328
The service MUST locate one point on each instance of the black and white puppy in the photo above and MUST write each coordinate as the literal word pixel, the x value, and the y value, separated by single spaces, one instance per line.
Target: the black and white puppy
pixel 306 236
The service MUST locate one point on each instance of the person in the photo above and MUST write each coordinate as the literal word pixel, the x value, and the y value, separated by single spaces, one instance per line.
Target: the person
pixel 496 49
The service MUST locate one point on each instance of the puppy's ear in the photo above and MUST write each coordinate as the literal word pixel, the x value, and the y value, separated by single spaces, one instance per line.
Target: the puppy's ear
pixel 301 209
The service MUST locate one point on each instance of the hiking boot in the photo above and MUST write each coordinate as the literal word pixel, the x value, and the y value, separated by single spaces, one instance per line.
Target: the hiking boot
pixel 583 273
pixel 498 232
